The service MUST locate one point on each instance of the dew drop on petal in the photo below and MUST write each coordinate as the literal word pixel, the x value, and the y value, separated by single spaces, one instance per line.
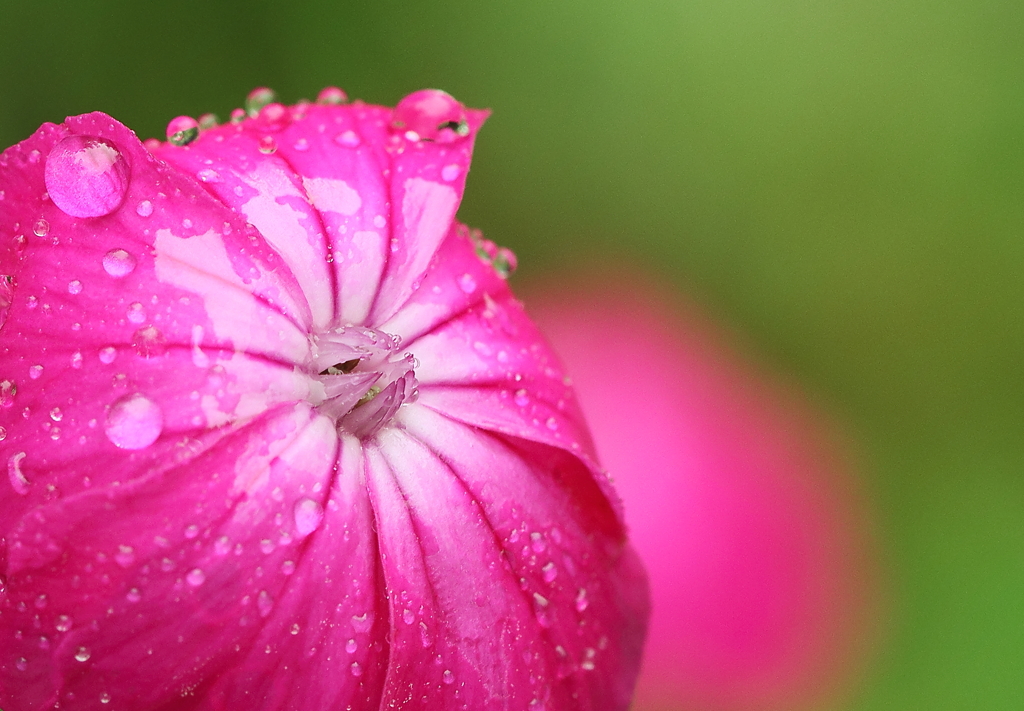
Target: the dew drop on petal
pixel 35 371
pixel 195 577
pixel 348 138
pixel 136 313
pixel 331 95
pixel 467 283
pixel 74 287
pixel 40 228
pixel 134 422
pixel 351 646
pixel 450 172
pixel 550 572
pixel 19 483
pixel 258 98
pixel 267 145
pixel 309 514
pixel 432 114
pixel 144 208
pixel 521 398
pixel 82 654
pixel 448 677
pixel 107 354
pixel 86 176
pixel 133 595
pixel 356 669
pixel 62 623
pixel 76 360
pixel 182 130
pixel 104 698
pixel 149 342
pixel 21 664
pixel 118 263
pixel 264 603
pixel 6 297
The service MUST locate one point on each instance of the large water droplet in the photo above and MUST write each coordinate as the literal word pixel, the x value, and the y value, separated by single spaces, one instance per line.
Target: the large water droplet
pixel 134 422
pixel 83 654
pixel 149 342
pixel 309 515
pixel 182 130
pixel 86 176
pixel 118 263
pixel 431 114
pixel 331 95
pixel 258 98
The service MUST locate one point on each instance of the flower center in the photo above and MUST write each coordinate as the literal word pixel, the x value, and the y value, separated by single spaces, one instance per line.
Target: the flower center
pixel 364 378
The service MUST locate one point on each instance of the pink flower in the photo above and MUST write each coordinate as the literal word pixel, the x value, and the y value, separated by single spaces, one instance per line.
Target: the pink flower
pixel 278 436
pixel 734 498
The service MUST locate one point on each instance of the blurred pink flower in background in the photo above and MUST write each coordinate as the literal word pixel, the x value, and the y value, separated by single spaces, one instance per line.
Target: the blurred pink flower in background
pixel 277 435
pixel 736 496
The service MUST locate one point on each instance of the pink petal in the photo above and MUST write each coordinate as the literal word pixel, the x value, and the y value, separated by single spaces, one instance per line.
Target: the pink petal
pixel 734 498
pixel 224 493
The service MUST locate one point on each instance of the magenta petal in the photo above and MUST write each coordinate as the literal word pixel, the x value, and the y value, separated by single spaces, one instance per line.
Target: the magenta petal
pixel 489 550
pixel 278 437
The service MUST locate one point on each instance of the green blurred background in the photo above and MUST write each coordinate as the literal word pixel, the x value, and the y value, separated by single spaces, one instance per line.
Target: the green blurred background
pixel 841 181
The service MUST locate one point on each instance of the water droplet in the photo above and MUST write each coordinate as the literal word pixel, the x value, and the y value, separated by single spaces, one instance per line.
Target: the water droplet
pixel 136 313
pixel 149 342
pixel 288 567
pixel 191 531
pixel 349 139
pixel 133 595
pixel 504 262
pixel 450 172
pixel 222 546
pixel 581 600
pixel 21 664
pixel 3 436
pixel 550 572
pixel 408 617
pixel 144 208
pixel 267 145
pixel 77 360
pixel 6 297
pixel 448 677
pixel 107 355
pixel 331 95
pixel 537 542
pixel 104 698
pixel 309 515
pixel 264 603
pixel 258 98
pixel 207 175
pixel 467 283
pixel 18 481
pixel 301 145
pixel 56 415
pixel 295 628
pixel 40 228
pixel 195 577
pixel 35 372
pixel 134 422
pixel 8 389
pixel 357 670
pixel 351 646
pixel 62 623
pixel 118 263
pixel 551 423
pixel 83 654
pixel 182 130
pixel 363 622
pixel 74 287
pixel 86 176
pixel 521 398
pixel 432 114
